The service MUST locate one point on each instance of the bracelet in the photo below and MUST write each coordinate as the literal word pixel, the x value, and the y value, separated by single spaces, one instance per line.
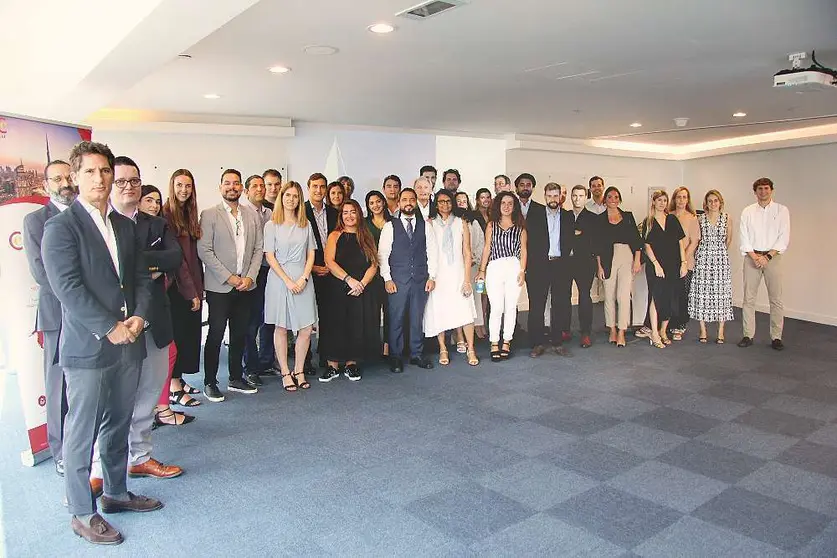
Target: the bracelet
pixel 346 278
pixel 653 261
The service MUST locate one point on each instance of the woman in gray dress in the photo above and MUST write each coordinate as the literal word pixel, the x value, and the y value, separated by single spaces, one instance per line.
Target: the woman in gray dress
pixel 290 303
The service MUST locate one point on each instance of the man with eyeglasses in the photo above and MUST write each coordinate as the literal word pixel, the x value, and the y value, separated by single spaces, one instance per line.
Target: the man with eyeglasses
pixel 62 192
pixel 231 248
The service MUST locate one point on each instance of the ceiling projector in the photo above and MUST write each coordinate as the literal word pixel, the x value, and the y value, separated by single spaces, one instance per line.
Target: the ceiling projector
pixel 814 78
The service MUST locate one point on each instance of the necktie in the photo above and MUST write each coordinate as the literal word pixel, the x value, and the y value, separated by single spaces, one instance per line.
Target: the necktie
pixel 410 228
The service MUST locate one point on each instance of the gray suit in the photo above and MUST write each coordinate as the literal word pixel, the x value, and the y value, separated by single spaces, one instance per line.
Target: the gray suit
pixel 217 249
pixel 48 321
pixel 101 377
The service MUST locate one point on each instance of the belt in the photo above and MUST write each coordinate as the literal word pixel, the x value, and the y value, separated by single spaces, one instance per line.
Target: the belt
pixel 761 252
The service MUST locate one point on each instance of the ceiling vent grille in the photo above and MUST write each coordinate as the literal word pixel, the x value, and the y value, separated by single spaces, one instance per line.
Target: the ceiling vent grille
pixel 429 9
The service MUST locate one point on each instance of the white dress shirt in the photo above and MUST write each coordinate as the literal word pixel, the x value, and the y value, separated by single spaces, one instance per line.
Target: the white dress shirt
pixel 105 228
pixel 239 235
pixel 597 208
pixel 321 218
pixel 264 214
pixel 524 208
pixel 764 228
pixel 385 247
pixel 60 206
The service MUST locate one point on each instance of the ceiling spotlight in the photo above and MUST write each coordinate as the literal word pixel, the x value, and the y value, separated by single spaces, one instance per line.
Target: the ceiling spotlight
pixel 320 50
pixel 636 125
pixel 279 70
pixel 382 28
pixel 212 96
pixel 739 115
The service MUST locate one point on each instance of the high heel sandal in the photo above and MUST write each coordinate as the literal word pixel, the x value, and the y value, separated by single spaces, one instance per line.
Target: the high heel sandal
pixel 461 347
pixel 656 342
pixel 612 338
pixel 495 352
pixel 505 350
pixel 303 384
pixel 472 357
pixel 665 340
pixel 620 340
pixel 444 357
pixel 189 389
pixel 286 386
pixel 180 396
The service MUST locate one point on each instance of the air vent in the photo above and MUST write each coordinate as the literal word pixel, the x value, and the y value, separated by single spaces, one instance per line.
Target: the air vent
pixel 429 9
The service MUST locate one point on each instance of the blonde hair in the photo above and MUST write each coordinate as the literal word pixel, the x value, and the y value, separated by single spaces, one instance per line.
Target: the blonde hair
pixel 713 193
pixel 279 209
pixel 672 205
pixel 657 194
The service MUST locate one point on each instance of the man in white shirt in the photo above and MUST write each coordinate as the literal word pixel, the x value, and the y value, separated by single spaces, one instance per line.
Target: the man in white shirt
pixel 423 188
pixel 596 202
pixel 764 237
pixel 407 256
pixel 523 185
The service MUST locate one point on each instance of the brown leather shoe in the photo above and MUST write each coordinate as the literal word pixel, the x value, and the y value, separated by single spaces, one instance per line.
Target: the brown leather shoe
pixel 97 487
pixel 99 532
pixel 537 351
pixel 134 503
pixel 153 468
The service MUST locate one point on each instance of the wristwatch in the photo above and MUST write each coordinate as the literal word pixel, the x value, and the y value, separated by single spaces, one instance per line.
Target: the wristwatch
pixel 769 257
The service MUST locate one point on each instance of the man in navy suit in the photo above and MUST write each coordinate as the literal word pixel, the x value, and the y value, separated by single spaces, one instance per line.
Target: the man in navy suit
pixel 92 258
pixel 62 193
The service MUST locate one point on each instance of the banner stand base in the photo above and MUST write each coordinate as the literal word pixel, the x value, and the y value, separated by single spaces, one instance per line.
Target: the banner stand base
pixel 30 459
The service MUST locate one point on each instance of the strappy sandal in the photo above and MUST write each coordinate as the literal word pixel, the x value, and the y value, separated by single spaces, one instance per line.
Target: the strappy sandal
pixel 720 341
pixel 702 339
pixel 461 347
pixel 286 386
pixel 186 419
pixel 304 384
pixel 665 340
pixel 189 389
pixel 444 357
pixel 495 352
pixel 180 397
pixel 505 350
pixel 656 342
pixel 472 358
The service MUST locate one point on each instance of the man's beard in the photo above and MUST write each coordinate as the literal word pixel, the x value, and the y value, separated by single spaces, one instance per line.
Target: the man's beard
pixel 524 194
pixel 232 196
pixel 407 211
pixel 552 205
pixel 64 196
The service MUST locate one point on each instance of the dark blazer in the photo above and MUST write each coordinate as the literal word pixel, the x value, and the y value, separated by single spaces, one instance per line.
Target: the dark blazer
pixel 48 317
pixel 331 223
pixel 162 254
pixel 584 235
pixel 92 295
pixel 604 238
pixel 537 234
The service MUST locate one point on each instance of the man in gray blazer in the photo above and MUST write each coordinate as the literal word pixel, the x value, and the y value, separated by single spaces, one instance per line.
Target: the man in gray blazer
pixel 231 248
pixel 62 193
pixel 93 262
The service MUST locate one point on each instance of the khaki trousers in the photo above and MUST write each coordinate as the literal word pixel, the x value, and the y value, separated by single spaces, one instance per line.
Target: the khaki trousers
pixel 772 275
pixel 617 287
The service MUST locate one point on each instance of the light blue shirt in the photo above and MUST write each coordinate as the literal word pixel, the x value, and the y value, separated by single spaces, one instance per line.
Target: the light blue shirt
pixel 553 222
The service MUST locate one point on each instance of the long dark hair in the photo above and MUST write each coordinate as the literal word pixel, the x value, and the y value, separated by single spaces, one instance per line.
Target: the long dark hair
pixel 364 237
pixel 517 213
pixel 183 217
pixel 434 207
pixel 369 196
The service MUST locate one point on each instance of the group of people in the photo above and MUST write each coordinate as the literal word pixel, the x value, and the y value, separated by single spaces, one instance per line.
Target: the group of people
pixel 124 274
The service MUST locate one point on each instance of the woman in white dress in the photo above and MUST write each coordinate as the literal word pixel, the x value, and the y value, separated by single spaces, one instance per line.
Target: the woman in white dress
pixel 464 210
pixel 451 304
pixel 290 302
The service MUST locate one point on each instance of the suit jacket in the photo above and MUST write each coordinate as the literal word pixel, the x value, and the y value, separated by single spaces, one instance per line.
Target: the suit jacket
pixel 537 234
pixel 94 296
pixel 48 317
pixel 584 236
pixel 216 247
pixel 162 254
pixel 331 223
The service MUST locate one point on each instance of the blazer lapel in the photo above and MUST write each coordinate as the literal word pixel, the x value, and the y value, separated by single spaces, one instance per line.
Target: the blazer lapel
pixel 92 231
pixel 124 242
pixel 225 218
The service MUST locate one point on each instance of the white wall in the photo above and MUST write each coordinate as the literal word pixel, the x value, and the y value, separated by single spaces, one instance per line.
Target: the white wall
pixel 478 161
pixel 632 176
pixel 160 154
pixel 802 177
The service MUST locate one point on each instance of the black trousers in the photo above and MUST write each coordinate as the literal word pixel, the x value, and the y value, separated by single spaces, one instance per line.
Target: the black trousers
pixel 582 269
pixel 188 330
pixel 545 276
pixel 258 359
pixel 680 313
pixel 231 308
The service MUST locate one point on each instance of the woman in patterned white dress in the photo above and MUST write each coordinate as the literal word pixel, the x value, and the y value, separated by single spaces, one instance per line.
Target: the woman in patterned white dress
pixel 710 298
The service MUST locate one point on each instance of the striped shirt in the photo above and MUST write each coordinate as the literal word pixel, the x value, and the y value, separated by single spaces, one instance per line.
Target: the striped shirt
pixel 505 243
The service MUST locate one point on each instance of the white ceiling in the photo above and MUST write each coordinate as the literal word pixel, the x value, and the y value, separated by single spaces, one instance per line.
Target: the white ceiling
pixel 474 69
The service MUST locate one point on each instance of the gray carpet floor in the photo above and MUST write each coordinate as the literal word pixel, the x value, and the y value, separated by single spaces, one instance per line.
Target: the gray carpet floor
pixel 695 450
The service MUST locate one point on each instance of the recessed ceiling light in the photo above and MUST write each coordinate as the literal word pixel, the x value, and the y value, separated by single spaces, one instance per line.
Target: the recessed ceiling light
pixel 279 70
pixel 636 125
pixel 212 96
pixel 739 115
pixel 320 50
pixel 382 28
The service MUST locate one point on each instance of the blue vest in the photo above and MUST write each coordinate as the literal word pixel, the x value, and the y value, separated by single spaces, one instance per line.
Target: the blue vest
pixel 408 259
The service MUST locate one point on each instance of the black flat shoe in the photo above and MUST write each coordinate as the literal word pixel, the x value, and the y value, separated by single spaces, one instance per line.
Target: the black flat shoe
pixel 777 345
pixel 745 342
pixel 421 362
pixel 396 366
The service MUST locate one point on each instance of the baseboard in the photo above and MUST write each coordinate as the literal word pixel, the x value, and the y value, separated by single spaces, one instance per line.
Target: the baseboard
pixel 797 315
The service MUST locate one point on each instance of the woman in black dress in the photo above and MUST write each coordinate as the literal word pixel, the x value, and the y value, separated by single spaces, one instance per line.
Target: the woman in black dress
pixel 351 322
pixel 377 215
pixel 666 252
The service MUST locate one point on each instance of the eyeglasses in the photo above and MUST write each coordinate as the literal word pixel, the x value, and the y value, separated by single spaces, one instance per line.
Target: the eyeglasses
pixel 123 183
pixel 443 202
pixel 59 179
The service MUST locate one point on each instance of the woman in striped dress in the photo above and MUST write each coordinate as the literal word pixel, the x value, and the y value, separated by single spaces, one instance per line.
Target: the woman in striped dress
pixel 503 269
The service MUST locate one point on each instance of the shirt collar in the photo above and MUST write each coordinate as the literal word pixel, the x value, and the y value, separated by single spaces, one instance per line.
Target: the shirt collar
pixel 91 209
pixel 227 207
pixel 61 207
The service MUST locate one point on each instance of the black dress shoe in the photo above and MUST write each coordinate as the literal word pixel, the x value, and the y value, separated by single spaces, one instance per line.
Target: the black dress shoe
pixel 59 467
pixel 421 362
pixel 745 342
pixel 777 345
pixel 396 366
pixel 253 379
pixel 270 371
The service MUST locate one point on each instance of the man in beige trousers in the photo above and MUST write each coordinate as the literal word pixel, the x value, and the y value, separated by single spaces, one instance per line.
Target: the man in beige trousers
pixel 764 237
